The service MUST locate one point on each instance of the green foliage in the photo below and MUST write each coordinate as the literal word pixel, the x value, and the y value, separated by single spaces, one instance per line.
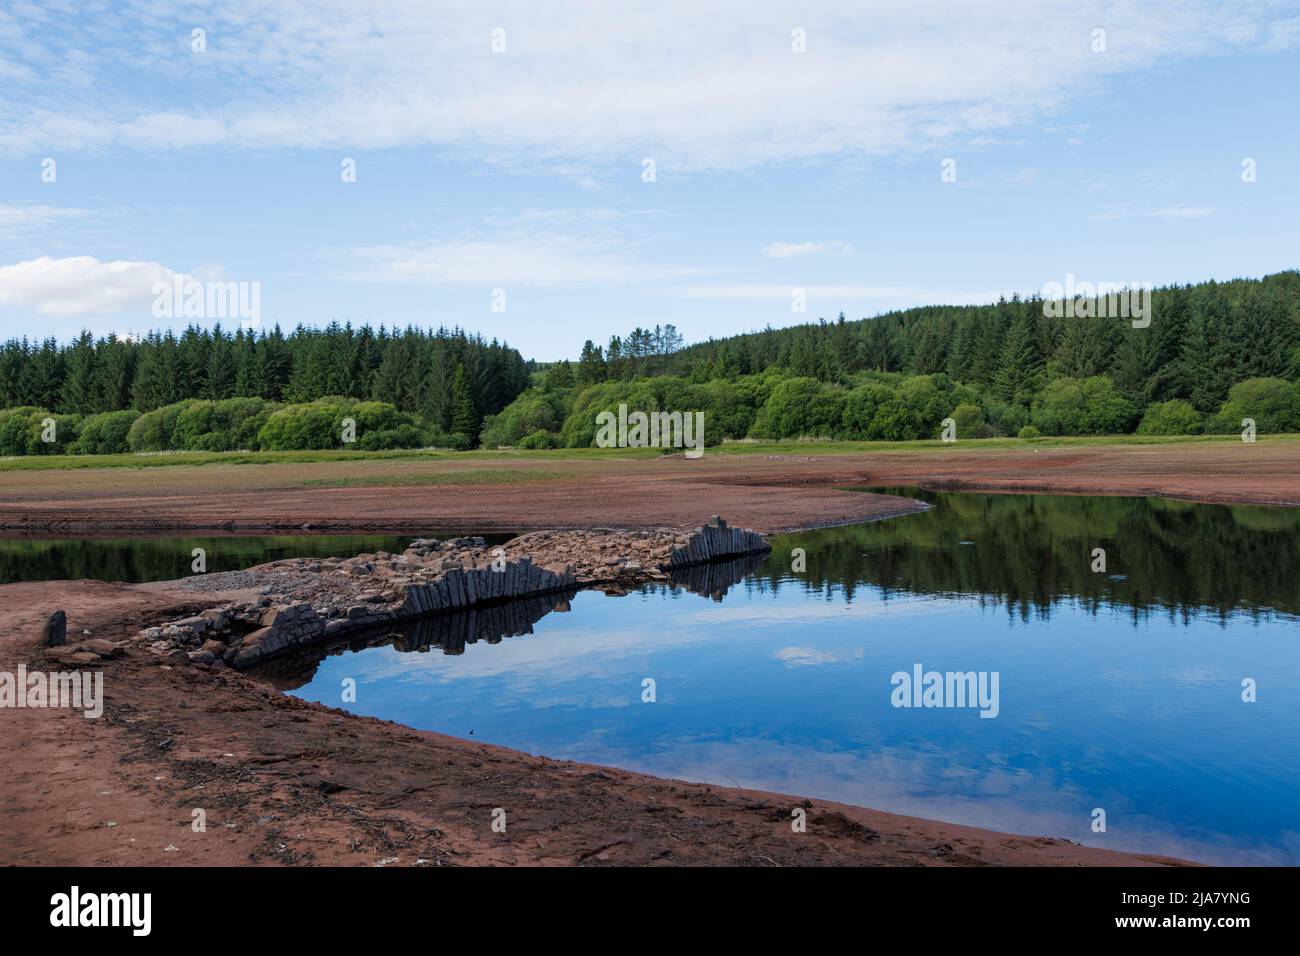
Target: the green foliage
pixel 801 408
pixel 405 435
pixel 539 439
pixel 560 376
pixel 14 424
pixel 316 425
pixel 970 421
pixel 1029 433
pixel 1090 406
pixel 23 432
pixel 435 437
pixel 156 430
pixel 1006 418
pixel 535 410
pixel 894 377
pixel 1273 403
pixel 1174 417
pixel 411 369
pixel 231 424
pixel 464 418
pixel 105 433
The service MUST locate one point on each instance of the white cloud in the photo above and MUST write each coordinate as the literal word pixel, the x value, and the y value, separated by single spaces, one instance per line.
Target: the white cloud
pixel 30 215
pixel 1115 212
pixel 79 286
pixel 790 250
pixel 526 261
pixel 1181 211
pixel 535 247
pixel 693 85
pixel 882 297
pixel 813 656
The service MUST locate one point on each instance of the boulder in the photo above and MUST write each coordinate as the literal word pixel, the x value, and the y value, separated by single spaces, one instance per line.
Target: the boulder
pixel 55 631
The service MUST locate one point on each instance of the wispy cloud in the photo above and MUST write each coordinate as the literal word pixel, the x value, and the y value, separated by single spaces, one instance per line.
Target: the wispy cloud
pixel 21 216
pixel 535 247
pixel 1181 211
pixel 791 250
pixel 880 297
pixel 715 86
pixel 1115 212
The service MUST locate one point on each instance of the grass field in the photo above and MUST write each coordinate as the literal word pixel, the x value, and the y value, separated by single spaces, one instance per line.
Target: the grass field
pixel 808 447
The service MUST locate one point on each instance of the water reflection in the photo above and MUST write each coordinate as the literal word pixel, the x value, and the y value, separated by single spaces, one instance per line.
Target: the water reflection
pixel 1029 553
pixel 167 558
pixel 449 633
pixel 713 580
pixel 1119 690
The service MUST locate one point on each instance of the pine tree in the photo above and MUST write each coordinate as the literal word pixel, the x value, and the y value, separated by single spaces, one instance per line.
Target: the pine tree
pixel 560 376
pixel 464 421
pixel 591 365
pixel 221 367
pixel 1020 374
pixel 79 381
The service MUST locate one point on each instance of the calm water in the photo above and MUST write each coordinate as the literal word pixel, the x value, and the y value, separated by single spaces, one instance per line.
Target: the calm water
pixel 1118 690
pixel 165 559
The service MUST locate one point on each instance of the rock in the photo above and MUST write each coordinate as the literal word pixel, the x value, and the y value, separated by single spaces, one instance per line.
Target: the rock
pixel 214 646
pixel 55 631
pixel 198 624
pixel 101 647
pixel 202 657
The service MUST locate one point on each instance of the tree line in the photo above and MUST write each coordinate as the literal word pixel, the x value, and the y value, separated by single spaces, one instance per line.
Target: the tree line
pixel 446 377
pixel 1202 340
pixel 1212 355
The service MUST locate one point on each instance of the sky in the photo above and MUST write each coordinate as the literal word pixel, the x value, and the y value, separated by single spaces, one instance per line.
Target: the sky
pixel 547 173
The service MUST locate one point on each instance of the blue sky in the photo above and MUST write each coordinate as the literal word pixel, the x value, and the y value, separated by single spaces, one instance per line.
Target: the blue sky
pixel 521 170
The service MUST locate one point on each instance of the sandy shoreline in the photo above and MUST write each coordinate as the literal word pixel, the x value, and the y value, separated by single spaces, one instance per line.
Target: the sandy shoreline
pixel 283 781
pixel 767 493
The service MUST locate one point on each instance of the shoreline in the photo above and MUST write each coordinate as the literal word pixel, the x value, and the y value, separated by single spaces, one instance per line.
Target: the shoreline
pixel 769 493
pixel 285 781
pixel 291 782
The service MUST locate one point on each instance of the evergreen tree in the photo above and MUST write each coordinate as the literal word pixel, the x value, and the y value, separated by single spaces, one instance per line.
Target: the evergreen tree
pixel 1020 374
pixel 464 420
pixel 79 381
pixel 591 365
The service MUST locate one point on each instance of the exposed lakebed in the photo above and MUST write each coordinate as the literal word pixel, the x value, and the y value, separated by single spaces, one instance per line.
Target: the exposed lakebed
pixel 1119 690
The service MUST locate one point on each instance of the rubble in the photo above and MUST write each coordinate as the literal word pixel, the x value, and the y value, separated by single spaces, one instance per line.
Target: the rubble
pixel 299 602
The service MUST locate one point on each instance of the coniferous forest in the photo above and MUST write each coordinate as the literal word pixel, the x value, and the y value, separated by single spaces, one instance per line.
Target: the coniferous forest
pixel 1213 354
pixel 404 388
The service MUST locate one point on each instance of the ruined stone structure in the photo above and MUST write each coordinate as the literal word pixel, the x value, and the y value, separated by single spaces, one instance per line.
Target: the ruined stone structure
pixel 299 603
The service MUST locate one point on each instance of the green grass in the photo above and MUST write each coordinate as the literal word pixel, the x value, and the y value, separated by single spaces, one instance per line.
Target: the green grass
pixel 735 448
pixel 832 447
pixel 469 476
pixel 166 459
